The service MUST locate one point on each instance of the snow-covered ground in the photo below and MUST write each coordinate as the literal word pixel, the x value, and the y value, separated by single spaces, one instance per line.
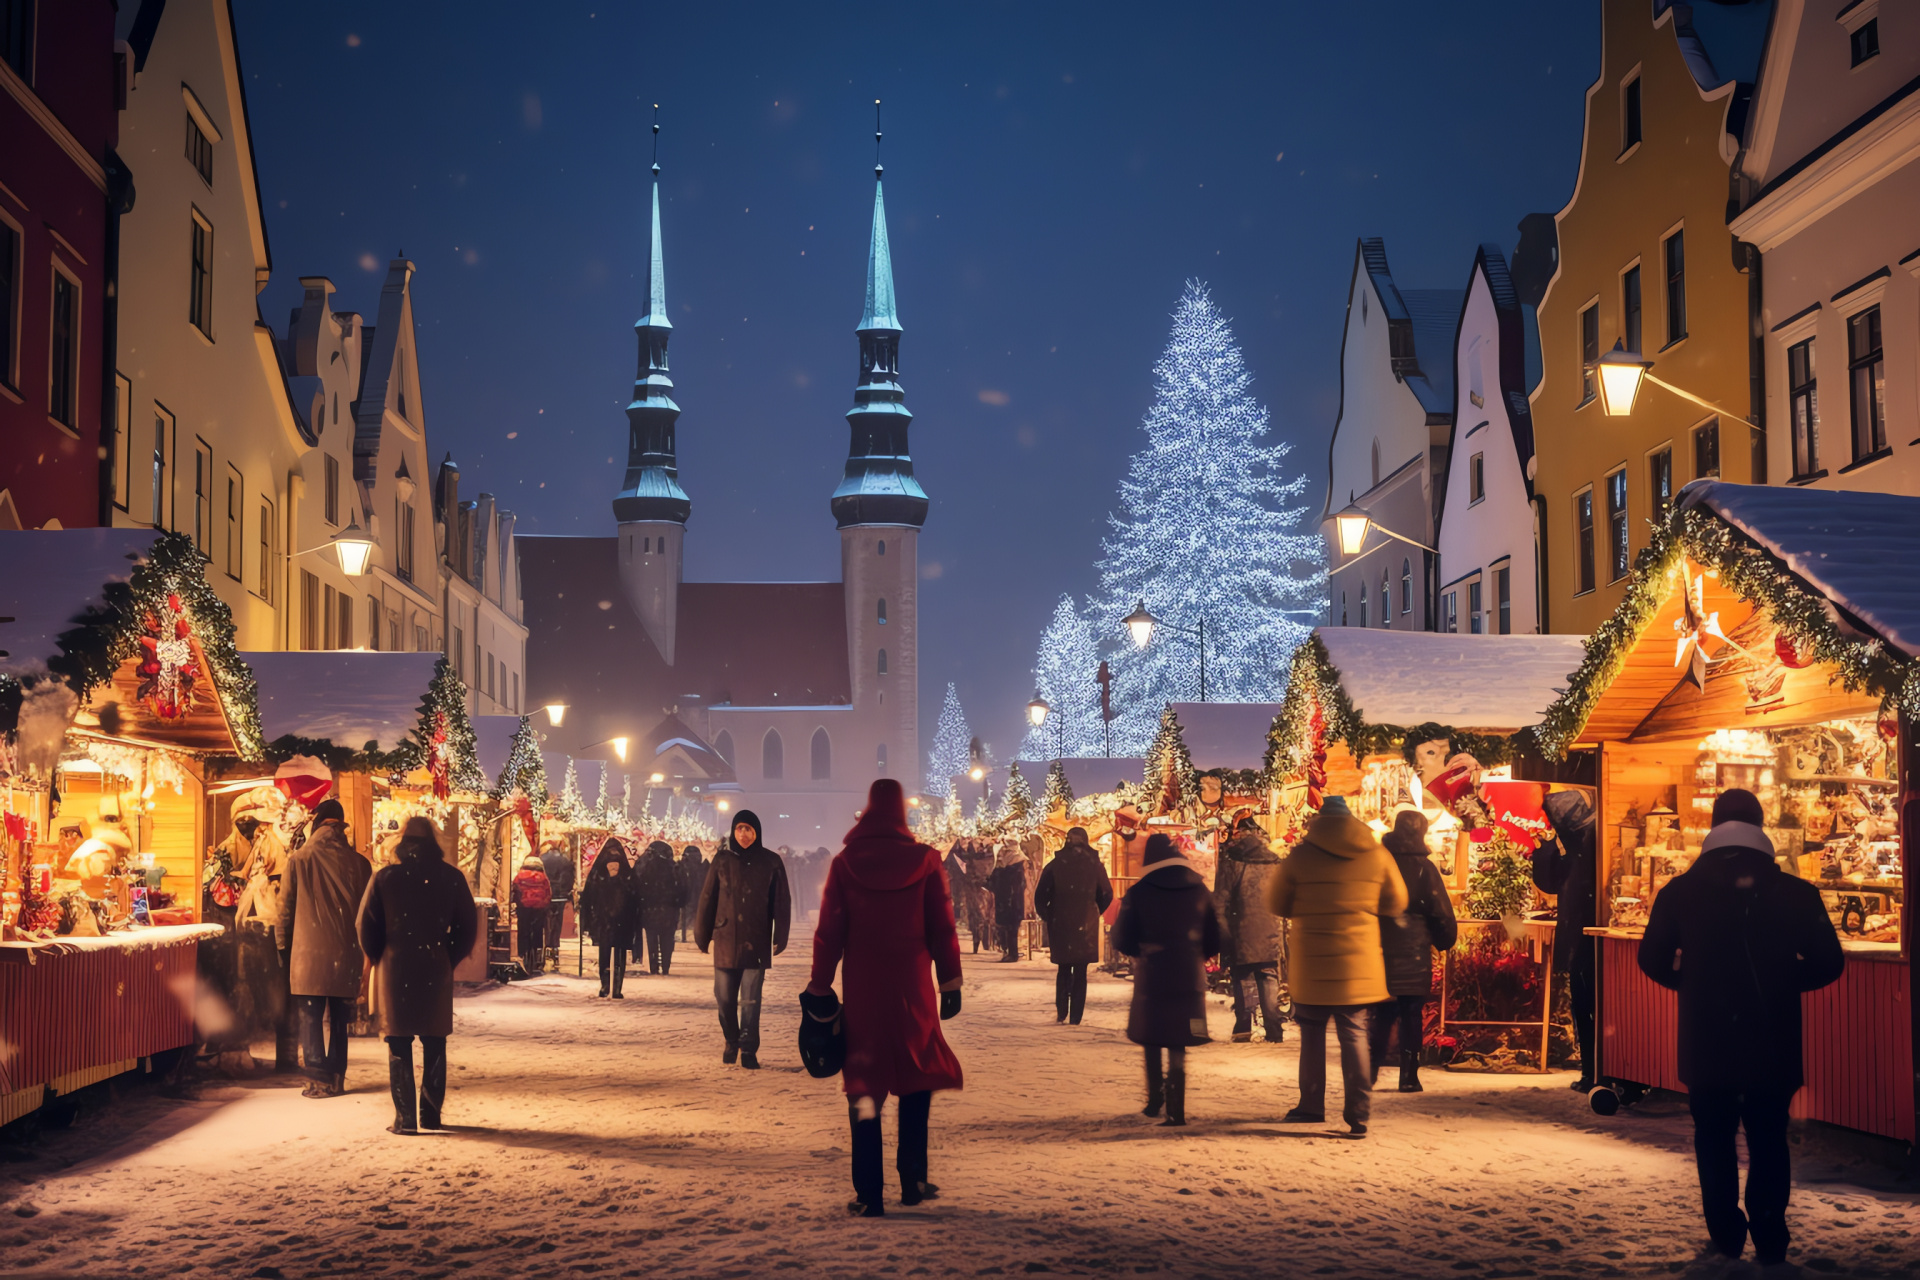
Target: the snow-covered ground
pixel 607 1139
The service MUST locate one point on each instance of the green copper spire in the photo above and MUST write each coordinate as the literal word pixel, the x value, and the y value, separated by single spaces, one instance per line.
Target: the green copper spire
pixel 651 490
pixel 880 312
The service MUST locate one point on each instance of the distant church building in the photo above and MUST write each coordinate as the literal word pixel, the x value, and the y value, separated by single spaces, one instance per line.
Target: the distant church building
pixel 792 717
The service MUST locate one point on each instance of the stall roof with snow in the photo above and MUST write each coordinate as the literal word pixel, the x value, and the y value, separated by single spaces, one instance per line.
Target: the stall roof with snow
pixel 1225 735
pixel 346 697
pixel 1758 607
pixel 1485 683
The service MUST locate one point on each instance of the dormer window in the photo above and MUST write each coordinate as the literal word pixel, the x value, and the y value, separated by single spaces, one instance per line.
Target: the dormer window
pixel 1865 41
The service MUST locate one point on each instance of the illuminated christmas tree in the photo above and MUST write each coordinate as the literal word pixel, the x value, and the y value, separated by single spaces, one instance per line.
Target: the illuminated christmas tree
pixel 1063 673
pixel 948 759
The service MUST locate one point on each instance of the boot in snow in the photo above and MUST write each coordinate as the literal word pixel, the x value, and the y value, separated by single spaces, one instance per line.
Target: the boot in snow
pixel 749 1060
pixel 619 978
pixel 1156 1094
pixel 1176 1094
pixel 400 1083
pixel 1410 1072
pixel 730 1054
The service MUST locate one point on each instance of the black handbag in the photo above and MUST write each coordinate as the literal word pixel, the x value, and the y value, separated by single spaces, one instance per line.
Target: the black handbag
pixel 823 1035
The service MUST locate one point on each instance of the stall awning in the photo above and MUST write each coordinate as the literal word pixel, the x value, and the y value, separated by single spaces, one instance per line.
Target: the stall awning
pixel 348 698
pixel 1226 735
pixel 1488 684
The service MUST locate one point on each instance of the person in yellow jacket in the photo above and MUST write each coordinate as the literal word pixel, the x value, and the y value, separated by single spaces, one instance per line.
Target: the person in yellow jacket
pixel 1334 887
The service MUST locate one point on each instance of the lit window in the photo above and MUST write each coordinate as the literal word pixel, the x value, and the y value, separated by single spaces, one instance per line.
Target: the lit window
pixel 1617 533
pixel 1589 350
pixel 1583 536
pixel 1706 451
pixel 1660 482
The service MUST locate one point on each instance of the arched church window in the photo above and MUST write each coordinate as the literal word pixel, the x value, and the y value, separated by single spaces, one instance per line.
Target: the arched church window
pixel 724 745
pixel 1376 462
pixel 883 546
pixel 883 611
pixel 1406 586
pixel 1386 600
pixel 772 757
pixel 883 662
pixel 646 546
pixel 822 752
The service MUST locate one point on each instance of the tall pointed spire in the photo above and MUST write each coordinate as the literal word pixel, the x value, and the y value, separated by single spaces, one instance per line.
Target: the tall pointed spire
pixel 878 486
pixel 651 489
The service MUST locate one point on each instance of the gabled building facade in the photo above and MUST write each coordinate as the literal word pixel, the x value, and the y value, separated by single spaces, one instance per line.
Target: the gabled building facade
pixel 210 444
pixel 786 697
pixel 485 632
pixel 1487 569
pixel 1828 183
pixel 1389 447
pixel 323 353
pixel 1645 260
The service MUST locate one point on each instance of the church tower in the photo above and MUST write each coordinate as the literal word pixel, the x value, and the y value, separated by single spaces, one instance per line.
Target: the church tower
pixel 652 508
pixel 880 507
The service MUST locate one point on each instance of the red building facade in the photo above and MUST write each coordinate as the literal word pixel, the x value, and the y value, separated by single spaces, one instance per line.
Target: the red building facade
pixel 57 115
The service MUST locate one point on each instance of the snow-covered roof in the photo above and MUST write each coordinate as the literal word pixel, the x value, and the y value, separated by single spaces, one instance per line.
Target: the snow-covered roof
pixel 1470 682
pixel 52 579
pixel 1854 548
pixel 1226 735
pixel 346 697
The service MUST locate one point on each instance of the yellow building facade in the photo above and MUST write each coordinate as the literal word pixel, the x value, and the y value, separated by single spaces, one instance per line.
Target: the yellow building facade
pixel 1644 258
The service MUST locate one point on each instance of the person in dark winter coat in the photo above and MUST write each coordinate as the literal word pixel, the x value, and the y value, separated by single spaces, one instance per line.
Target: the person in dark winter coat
pixel 1741 941
pixel 1333 888
pixel 886 923
pixel 1168 924
pixel 558 864
pixel 1073 891
pixel 1008 885
pixel 610 914
pixel 979 895
pixel 320 892
pixel 1407 942
pixel 1564 867
pixel 745 912
pixel 693 876
pixel 532 895
pixel 658 880
pixel 417 923
pixel 1253 940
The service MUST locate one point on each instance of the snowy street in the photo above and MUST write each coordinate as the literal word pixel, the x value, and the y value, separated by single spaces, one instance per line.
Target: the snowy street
pixel 601 1138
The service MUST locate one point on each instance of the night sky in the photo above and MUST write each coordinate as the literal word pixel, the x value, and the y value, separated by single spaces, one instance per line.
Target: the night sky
pixel 1053 174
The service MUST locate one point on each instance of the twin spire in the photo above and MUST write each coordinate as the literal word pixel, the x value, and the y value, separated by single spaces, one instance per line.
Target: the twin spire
pixel 878 486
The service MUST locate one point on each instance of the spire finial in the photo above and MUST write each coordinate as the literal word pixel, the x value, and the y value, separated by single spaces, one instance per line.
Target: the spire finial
pixel 656 140
pixel 877 169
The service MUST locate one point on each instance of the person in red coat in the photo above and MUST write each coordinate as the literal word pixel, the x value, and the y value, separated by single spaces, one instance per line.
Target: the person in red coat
pixel 886 913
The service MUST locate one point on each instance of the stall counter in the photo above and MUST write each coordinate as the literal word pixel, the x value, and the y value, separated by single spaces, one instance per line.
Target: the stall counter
pixel 74 1011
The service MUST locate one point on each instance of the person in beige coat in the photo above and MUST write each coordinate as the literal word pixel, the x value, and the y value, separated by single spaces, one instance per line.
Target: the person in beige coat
pixel 1335 886
pixel 320 895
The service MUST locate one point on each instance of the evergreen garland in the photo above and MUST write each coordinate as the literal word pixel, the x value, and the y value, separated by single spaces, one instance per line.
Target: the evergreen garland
pixel 1802 613
pixel 1168 753
pixel 1058 794
pixel 525 772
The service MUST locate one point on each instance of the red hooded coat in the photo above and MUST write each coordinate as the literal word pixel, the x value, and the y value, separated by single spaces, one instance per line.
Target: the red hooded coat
pixel 886 913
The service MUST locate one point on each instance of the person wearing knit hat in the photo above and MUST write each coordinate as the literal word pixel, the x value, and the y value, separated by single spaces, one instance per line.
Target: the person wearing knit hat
pixel 1409 941
pixel 1741 941
pixel 1334 888
pixel 1168 925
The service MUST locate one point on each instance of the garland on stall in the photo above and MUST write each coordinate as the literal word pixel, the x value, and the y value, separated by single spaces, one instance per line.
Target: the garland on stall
pixel 170 584
pixel 1797 611
pixel 525 773
pixel 1314 681
pixel 1169 776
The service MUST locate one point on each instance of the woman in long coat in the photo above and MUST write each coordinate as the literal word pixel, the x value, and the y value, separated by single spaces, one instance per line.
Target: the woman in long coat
pixel 658 878
pixel 886 921
pixel 1167 922
pixel 1073 891
pixel 610 913
pixel 1008 884
pixel 417 923
pixel 1407 942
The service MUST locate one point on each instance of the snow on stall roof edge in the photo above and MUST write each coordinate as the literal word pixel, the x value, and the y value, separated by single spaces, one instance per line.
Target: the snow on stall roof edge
pixel 1478 682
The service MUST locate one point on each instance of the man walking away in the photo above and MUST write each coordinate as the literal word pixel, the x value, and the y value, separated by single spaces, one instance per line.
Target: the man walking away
pixel 319 898
pixel 1252 939
pixel 745 912
pixel 1741 941
pixel 1008 884
pixel 1564 867
pixel 1408 941
pixel 558 864
pixel 1073 891
pixel 532 895
pixel 1167 923
pixel 693 876
pixel 1333 888
pixel 659 879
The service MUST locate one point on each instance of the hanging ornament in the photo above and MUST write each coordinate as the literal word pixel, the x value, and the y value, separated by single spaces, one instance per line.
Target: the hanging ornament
pixel 439 758
pixel 1890 728
pixel 1790 653
pixel 1316 757
pixel 169 672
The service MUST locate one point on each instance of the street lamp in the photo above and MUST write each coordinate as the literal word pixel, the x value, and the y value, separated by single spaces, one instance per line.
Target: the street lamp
pixel 556 712
pixel 353 545
pixel 1037 710
pixel 1141 625
pixel 619 748
pixel 1352 524
pixel 1620 373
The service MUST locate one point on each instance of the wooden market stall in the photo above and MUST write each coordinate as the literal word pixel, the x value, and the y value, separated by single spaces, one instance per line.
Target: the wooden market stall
pixel 1764 644
pixel 1437 722
pixel 118 683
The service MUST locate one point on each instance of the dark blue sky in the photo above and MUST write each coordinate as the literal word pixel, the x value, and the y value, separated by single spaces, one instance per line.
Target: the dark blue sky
pixel 1054 172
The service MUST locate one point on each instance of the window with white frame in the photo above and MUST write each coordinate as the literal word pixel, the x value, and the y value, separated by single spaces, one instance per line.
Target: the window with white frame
pixel 1803 397
pixel 1867 383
